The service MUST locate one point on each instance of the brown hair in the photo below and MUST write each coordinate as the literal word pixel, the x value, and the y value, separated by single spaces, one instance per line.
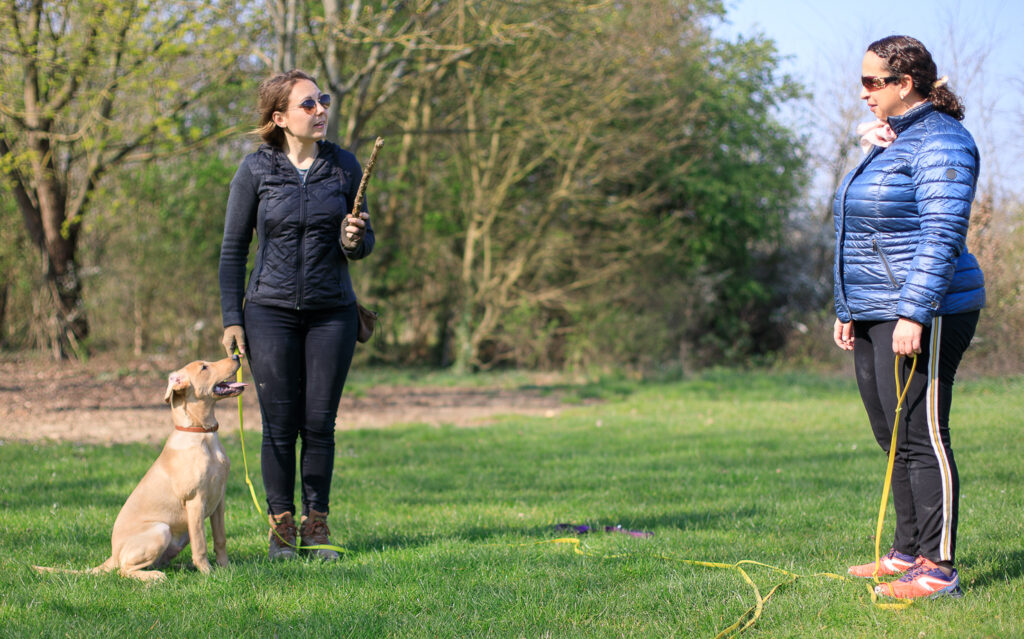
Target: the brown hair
pixel 273 96
pixel 906 55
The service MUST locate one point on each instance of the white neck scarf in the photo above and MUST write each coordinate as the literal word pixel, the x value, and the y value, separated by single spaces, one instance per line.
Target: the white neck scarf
pixel 878 133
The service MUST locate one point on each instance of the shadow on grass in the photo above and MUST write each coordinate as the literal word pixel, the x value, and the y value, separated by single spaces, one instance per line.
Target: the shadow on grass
pixel 680 521
pixel 1012 568
pixel 600 390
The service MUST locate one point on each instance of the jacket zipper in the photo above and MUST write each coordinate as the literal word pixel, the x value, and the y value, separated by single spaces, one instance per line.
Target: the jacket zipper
pixel 885 263
pixel 842 222
pixel 299 279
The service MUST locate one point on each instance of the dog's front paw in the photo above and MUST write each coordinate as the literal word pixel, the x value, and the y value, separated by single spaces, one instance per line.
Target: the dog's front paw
pixel 202 565
pixel 222 561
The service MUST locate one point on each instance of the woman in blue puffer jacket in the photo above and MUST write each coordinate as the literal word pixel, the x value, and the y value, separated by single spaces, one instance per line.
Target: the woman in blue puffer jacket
pixel 906 285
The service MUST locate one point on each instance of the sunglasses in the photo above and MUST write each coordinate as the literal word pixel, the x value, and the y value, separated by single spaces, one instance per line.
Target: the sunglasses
pixel 309 104
pixel 876 82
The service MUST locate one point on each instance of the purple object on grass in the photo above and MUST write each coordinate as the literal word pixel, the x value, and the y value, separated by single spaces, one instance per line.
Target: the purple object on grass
pixel 634 533
pixel 583 529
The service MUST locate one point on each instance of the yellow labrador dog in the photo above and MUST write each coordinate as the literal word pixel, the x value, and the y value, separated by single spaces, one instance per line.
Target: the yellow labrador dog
pixel 184 486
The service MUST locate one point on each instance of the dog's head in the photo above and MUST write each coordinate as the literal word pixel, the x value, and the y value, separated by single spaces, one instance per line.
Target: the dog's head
pixel 204 381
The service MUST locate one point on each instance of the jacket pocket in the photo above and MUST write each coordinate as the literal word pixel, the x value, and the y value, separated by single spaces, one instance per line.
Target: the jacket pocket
pixel 885 262
pixel 254 280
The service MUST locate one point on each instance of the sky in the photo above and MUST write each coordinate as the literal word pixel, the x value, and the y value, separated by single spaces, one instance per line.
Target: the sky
pixel 979 44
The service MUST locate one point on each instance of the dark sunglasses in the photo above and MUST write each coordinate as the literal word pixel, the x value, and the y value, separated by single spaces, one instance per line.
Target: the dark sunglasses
pixel 876 82
pixel 309 104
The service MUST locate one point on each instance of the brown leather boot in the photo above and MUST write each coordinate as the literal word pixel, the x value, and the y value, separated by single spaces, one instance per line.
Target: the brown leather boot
pixel 282 533
pixel 314 532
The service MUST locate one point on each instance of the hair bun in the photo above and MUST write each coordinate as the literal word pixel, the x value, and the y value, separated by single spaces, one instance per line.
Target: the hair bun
pixel 941 82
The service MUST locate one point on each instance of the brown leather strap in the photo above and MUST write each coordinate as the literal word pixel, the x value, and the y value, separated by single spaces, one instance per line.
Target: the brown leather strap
pixel 197 429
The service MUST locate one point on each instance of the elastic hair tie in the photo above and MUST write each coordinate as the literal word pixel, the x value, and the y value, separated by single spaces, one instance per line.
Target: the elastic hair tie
pixel 941 82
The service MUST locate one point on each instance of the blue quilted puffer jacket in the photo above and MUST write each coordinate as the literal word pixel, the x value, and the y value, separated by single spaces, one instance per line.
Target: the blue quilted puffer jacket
pixel 901 225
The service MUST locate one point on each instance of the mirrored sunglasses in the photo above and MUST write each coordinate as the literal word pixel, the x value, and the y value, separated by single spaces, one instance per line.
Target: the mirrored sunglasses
pixel 876 82
pixel 309 104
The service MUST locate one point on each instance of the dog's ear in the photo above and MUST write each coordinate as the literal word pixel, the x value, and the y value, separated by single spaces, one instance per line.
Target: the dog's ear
pixel 176 382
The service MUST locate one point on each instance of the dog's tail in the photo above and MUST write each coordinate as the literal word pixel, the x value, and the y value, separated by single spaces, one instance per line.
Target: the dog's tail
pixel 106 566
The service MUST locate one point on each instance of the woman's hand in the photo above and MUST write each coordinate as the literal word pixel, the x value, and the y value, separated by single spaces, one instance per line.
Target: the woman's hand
pixel 906 337
pixel 234 337
pixel 842 333
pixel 354 230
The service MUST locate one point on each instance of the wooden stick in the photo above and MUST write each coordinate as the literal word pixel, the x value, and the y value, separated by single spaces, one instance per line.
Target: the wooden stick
pixel 367 170
pixel 360 192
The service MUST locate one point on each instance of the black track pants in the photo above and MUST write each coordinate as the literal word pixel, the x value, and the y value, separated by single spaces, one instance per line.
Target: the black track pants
pixel 925 483
pixel 299 361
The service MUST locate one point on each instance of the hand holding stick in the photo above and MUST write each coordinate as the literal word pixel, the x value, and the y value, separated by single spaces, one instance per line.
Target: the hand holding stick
pixel 356 219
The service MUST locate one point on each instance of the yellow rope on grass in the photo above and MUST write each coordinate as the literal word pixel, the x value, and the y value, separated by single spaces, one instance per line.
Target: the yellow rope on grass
pixel 748 618
pixel 752 614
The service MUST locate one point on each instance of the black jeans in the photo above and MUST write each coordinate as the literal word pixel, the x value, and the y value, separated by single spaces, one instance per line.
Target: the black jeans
pixel 925 481
pixel 299 362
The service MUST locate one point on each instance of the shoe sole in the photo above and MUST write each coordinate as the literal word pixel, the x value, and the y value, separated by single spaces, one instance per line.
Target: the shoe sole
pixel 880 574
pixel 281 553
pixel 953 592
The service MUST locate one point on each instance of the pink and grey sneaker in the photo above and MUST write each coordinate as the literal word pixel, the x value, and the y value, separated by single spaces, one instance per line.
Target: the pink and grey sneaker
pixel 893 563
pixel 925 579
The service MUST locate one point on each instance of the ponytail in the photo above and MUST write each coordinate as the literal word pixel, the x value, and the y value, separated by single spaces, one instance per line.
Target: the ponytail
pixel 945 100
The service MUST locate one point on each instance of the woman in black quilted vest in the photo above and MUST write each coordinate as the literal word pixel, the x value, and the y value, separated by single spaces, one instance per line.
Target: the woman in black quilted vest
pixel 296 320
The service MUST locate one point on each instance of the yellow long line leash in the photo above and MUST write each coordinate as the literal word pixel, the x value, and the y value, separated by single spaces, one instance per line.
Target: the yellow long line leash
pixel 897 604
pixel 748 618
pixel 252 489
pixel 752 614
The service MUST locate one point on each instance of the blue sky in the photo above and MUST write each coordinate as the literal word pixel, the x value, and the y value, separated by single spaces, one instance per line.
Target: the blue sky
pixel 979 44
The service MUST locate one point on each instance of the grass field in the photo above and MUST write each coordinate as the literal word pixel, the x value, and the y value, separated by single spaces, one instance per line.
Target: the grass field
pixel 442 525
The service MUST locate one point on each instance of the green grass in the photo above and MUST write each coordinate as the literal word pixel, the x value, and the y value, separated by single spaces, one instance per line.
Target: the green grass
pixel 442 525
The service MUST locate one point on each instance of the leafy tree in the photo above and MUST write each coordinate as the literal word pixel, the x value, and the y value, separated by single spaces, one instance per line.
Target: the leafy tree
pixel 610 187
pixel 87 86
pixel 563 183
pixel 743 175
pixel 367 53
pixel 622 187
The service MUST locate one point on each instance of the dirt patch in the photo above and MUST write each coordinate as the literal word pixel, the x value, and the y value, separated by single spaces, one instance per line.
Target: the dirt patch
pixel 105 401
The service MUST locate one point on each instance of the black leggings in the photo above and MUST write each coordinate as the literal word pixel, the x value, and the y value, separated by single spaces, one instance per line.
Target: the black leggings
pixel 925 481
pixel 299 361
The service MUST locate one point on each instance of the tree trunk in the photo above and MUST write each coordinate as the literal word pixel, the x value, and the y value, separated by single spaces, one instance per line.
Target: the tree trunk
pixel 56 236
pixel 462 344
pixel 71 326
